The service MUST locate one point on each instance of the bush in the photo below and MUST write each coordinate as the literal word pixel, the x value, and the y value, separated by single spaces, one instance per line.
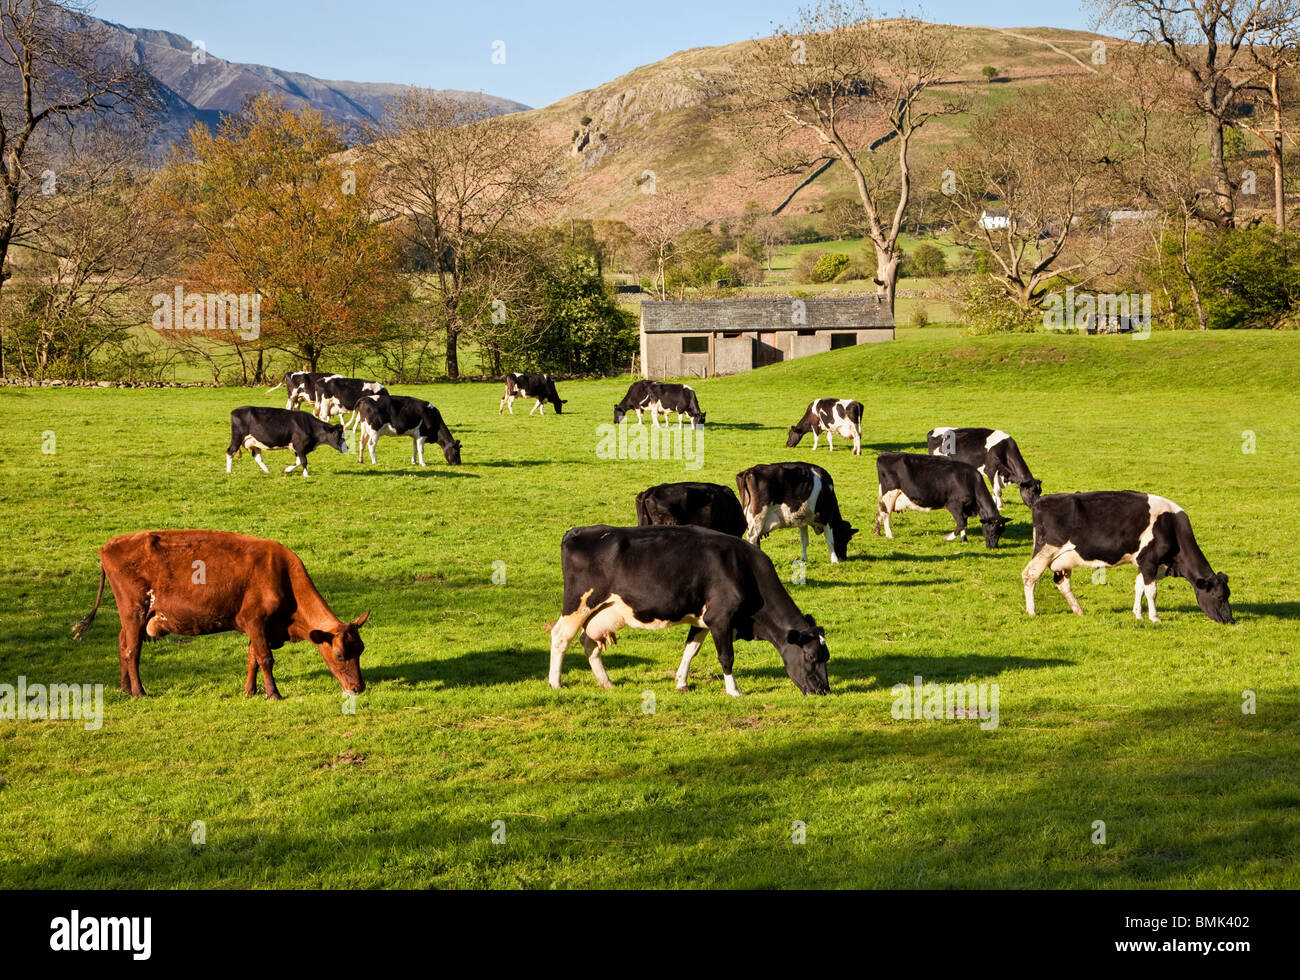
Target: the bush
pixel 743 270
pixel 927 262
pixel 920 316
pixel 804 262
pixel 828 266
pixel 986 308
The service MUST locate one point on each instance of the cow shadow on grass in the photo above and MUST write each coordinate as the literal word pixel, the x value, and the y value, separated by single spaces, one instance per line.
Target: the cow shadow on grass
pixel 484 668
pixel 1274 610
pixel 512 463
pixel 883 672
pixel 894 447
pixel 429 471
pixel 973 548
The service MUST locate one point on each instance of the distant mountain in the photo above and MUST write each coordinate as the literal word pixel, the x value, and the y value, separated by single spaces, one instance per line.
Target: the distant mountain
pixel 202 92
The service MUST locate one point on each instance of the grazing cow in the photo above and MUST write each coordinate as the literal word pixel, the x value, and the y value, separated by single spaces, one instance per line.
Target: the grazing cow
pixel 667 398
pixel 398 415
pixel 793 495
pixel 992 452
pixel 699 504
pixel 910 481
pixel 660 398
pixel 536 386
pixel 257 429
pixel 656 577
pixel 301 386
pixel 1116 527
pixel 638 398
pixel 838 416
pixel 192 583
pixel 337 395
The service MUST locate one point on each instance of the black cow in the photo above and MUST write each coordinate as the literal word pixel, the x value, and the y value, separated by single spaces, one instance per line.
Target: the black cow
pixel 700 504
pixel 337 395
pixel 637 399
pixel 992 452
pixel 301 387
pixel 656 577
pixel 838 416
pixel 800 495
pixel 398 415
pixel 258 428
pixel 537 386
pixel 1116 527
pixel 910 481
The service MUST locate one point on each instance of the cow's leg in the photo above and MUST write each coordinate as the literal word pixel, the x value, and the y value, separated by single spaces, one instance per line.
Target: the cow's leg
pixel 229 460
pixel 830 543
pixel 726 657
pixel 959 516
pixel 1038 564
pixel 694 640
pixel 1137 596
pixel 803 543
pixel 257 458
pixel 1149 587
pixel 250 685
pixel 998 484
pixel 814 432
pixel 857 443
pixel 129 643
pixel 885 506
pixel 562 634
pixel 419 449
pixel 592 650
pixel 1063 583
pixel 260 652
pixel 830 441
pixel 501 408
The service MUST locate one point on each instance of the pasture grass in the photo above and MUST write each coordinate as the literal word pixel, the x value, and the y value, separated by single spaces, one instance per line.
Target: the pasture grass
pixel 1101 718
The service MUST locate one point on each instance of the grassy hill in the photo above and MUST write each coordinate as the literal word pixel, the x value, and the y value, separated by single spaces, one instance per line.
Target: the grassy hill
pixel 1139 725
pixel 665 117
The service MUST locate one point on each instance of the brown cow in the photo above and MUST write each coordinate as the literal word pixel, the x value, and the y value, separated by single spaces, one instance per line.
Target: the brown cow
pixel 192 583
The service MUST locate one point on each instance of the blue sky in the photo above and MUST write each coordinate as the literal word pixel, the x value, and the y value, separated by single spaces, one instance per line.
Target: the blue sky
pixel 552 48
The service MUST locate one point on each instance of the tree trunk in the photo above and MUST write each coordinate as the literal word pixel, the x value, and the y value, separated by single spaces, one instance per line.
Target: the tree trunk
pixel 1225 211
pixel 453 360
pixel 887 264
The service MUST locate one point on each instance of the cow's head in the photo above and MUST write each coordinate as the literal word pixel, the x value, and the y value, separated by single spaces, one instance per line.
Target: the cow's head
pixel 557 401
pixel 793 438
pixel 1030 491
pixel 1212 596
pixel 842 532
pixel 993 529
pixel 619 412
pixel 805 655
pixel 452 452
pixel 697 421
pixel 338 439
pixel 341 649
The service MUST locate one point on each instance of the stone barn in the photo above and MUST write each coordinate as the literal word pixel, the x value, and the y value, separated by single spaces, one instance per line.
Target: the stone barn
pixel 704 338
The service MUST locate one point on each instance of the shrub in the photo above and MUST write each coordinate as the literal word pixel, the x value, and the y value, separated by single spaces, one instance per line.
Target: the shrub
pixel 828 266
pixel 986 308
pixel 804 263
pixel 927 262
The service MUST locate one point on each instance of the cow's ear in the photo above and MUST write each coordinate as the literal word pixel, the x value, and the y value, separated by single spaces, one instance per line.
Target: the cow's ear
pixel 1222 577
pixel 320 636
pixel 360 621
pixel 809 620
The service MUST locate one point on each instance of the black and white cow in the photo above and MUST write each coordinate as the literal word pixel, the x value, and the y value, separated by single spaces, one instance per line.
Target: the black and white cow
pixel 259 428
pixel 536 386
pixel 1117 527
pixel 801 495
pixel 668 398
pixel 337 395
pixel 911 481
pixel 700 504
pixel 833 416
pixel 992 452
pixel 638 398
pixel 656 577
pixel 398 415
pixel 660 398
pixel 301 387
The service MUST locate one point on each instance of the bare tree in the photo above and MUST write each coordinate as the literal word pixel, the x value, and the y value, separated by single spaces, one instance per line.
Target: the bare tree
pixel 659 220
pixel 1274 45
pixel 1046 190
pixel 57 65
pixel 840 85
pixel 458 180
pixel 1205 40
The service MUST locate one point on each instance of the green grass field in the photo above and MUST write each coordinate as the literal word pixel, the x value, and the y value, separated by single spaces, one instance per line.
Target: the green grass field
pixel 1101 718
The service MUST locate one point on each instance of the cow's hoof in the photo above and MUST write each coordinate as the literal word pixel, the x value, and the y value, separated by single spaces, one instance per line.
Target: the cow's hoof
pixel 606 685
pixel 554 685
pixel 275 696
pixel 683 687
pixel 1155 619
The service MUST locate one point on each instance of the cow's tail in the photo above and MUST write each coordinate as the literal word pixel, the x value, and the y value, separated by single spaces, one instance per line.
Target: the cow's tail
pixel 855 415
pixel 742 484
pixel 280 385
pixel 83 624
pixel 642 516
